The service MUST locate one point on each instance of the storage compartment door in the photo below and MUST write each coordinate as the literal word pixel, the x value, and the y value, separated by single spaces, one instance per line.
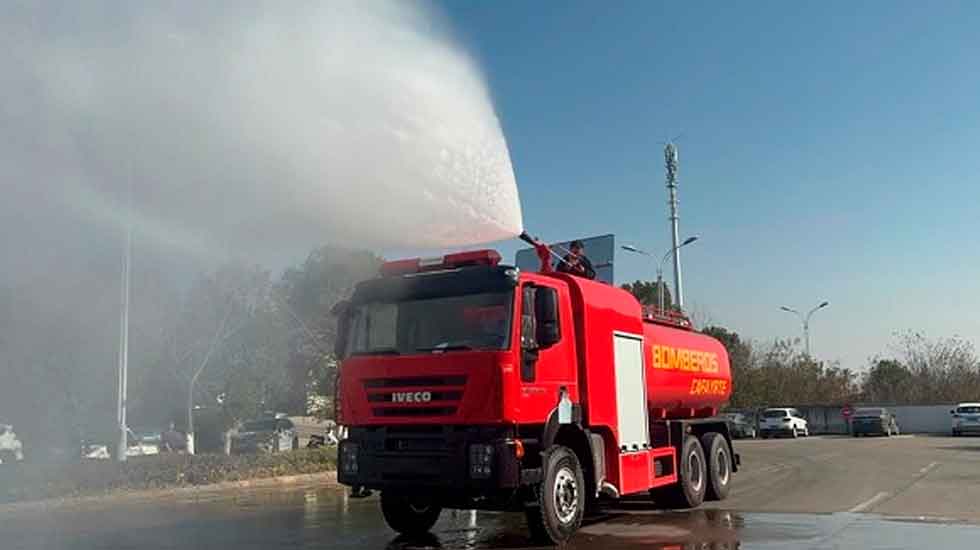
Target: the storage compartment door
pixel 631 399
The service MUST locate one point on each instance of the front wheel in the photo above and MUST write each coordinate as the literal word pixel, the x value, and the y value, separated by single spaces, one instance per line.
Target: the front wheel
pixel 408 516
pixel 560 505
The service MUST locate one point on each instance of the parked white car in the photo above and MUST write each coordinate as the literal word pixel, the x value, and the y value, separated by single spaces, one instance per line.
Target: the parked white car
pixel 11 449
pixel 966 418
pixel 783 421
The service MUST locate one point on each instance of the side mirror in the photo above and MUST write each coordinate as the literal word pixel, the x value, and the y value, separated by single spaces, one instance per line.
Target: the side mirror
pixel 342 312
pixel 952 411
pixel 546 314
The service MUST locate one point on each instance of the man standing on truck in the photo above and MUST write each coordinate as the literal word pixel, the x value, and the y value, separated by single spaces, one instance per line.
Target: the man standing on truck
pixel 576 262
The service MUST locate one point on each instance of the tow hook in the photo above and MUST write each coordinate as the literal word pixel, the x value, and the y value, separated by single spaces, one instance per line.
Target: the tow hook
pixel 360 492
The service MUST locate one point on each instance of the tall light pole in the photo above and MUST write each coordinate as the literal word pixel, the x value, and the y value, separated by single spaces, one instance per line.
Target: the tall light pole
pixel 660 266
pixel 805 319
pixel 123 389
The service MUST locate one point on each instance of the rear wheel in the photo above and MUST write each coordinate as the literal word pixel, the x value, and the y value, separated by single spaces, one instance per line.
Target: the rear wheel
pixel 560 498
pixel 691 484
pixel 408 516
pixel 719 461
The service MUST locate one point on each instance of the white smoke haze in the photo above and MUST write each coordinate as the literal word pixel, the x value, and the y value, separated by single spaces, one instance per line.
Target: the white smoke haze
pixel 245 128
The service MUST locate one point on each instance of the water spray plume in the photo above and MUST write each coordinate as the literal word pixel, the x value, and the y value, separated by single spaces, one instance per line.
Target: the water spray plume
pixel 250 126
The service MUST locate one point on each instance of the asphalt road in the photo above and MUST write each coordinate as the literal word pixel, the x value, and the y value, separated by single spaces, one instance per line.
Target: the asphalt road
pixel 795 494
pixel 910 476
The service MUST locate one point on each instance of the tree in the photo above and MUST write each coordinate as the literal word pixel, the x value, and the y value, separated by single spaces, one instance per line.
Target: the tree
pixel 943 370
pixel 646 292
pixel 306 294
pixel 740 357
pixel 888 381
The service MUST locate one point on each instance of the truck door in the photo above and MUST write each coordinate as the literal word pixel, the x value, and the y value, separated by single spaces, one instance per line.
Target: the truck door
pixel 547 350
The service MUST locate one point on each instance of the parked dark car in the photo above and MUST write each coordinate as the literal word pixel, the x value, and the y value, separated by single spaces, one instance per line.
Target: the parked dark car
pixel 874 421
pixel 740 425
pixel 268 435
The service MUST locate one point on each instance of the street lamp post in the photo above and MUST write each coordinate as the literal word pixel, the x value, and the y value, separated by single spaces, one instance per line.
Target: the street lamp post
pixel 660 266
pixel 123 357
pixel 805 319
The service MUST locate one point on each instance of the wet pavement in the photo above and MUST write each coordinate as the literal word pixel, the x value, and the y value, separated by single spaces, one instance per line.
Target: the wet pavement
pixel 324 518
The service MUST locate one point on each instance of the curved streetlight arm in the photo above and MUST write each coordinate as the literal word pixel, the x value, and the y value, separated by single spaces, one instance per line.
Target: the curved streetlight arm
pixel 814 310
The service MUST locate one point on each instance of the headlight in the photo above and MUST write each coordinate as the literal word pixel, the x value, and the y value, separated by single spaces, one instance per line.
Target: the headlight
pixel 481 461
pixel 348 458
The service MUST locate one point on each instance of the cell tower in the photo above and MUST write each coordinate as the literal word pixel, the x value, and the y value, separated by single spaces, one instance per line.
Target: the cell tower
pixel 670 159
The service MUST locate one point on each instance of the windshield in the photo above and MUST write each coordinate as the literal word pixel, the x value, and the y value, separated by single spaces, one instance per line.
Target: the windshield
pixel 446 323
pixel 777 413
pixel 969 409
pixel 868 412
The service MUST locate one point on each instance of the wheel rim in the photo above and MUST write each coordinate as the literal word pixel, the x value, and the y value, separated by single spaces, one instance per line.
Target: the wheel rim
pixel 565 495
pixel 723 472
pixel 694 470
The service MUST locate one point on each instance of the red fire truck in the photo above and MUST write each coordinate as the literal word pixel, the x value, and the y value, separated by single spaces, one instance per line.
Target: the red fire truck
pixel 472 385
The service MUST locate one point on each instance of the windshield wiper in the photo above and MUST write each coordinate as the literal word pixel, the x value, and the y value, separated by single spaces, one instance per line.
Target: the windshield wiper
pixel 447 347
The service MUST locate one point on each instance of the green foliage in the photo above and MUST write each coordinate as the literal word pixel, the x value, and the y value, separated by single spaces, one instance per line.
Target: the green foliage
pixel 27 482
pixel 648 293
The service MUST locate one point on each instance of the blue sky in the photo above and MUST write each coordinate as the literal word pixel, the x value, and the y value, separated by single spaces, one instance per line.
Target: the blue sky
pixel 828 151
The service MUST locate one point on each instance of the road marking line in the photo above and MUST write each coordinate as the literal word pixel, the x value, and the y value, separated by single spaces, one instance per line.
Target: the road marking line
pixel 868 504
pixel 928 468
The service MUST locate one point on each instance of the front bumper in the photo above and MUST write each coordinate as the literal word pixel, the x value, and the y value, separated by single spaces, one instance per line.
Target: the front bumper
pixel 964 428
pixel 769 431
pixel 427 457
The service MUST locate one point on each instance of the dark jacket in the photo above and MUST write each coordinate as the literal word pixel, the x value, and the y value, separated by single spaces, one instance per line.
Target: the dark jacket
pixel 583 267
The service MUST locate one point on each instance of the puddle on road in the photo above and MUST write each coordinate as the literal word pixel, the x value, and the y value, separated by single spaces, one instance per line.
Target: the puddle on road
pixel 327 518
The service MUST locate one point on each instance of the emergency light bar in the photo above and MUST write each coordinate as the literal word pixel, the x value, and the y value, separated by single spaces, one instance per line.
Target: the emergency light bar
pixel 449 261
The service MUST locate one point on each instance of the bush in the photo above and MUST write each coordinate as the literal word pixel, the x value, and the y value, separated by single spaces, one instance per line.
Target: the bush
pixel 26 482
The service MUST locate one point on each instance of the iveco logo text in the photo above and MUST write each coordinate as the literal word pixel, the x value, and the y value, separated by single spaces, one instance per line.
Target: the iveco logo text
pixel 411 397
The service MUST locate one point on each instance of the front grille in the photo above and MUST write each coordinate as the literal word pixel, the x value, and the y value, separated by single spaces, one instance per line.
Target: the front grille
pixel 416 396
pixel 386 397
pixel 414 411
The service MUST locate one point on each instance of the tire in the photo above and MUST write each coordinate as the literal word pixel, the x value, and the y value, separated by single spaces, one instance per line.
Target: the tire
pixel 719 465
pixel 560 498
pixel 691 484
pixel 407 517
pixel 796 434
